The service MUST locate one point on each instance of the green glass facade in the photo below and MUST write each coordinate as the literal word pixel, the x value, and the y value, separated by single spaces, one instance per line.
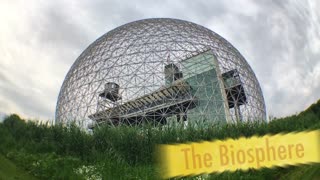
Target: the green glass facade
pixel 201 72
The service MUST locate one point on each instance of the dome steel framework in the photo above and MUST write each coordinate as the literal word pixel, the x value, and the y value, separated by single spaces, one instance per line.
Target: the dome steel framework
pixel 160 71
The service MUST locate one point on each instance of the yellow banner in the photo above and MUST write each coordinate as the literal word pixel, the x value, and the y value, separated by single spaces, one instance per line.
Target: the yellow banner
pixel 243 153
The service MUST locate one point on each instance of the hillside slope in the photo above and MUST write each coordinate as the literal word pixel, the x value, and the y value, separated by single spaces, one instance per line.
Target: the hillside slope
pixel 9 170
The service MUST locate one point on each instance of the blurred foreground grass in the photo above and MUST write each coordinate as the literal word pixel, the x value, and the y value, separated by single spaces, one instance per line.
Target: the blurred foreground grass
pixel 58 152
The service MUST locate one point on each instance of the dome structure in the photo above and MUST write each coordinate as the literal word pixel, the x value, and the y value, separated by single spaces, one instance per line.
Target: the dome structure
pixel 160 70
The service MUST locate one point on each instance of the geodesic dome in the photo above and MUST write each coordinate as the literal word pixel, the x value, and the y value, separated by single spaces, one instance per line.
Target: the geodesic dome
pixel 160 70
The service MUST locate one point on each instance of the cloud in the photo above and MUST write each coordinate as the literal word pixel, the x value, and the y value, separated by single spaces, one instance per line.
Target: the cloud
pixel 39 41
pixel 280 46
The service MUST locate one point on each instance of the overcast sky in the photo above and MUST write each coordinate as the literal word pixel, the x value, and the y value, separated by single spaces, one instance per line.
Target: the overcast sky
pixel 40 39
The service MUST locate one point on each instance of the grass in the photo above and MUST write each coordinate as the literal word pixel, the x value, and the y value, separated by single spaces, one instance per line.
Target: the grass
pixel 8 171
pixel 304 172
pixel 58 152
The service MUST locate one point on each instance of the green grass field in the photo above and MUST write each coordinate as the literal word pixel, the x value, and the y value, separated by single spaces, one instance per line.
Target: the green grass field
pixel 8 171
pixel 30 150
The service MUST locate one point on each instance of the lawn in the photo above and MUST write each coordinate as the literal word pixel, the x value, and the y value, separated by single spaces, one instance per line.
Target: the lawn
pixel 8 171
